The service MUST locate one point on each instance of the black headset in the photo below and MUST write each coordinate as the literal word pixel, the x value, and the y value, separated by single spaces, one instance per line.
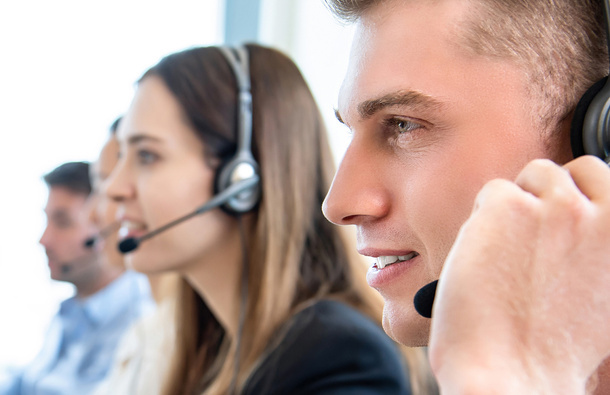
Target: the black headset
pixel 242 165
pixel 590 130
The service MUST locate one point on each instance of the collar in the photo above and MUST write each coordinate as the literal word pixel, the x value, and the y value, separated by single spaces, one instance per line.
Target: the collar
pixel 124 293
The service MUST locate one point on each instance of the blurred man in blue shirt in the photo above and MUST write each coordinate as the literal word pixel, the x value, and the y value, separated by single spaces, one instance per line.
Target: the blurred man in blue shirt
pixel 79 348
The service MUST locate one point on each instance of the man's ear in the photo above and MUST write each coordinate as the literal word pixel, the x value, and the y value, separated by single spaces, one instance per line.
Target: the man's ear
pixel 559 143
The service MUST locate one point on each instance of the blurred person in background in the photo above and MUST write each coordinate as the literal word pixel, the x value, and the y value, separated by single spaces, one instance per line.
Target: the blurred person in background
pixel 139 362
pixel 81 341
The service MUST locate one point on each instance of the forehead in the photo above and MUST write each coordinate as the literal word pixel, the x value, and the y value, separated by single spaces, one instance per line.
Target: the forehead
pixel 108 157
pixel 396 43
pixel 153 104
pixel 156 113
pixel 65 200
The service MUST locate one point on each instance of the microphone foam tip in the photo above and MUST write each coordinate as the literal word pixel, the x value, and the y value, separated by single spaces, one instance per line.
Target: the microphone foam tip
pixel 128 245
pixel 424 299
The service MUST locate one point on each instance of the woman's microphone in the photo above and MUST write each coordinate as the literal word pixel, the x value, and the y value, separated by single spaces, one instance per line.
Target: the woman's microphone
pixel 131 243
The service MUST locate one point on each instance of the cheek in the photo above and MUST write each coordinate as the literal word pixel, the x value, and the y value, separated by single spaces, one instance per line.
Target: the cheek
pixel 442 197
pixel 445 188
pixel 107 210
pixel 180 244
pixel 74 240
pixel 162 202
pixel 449 184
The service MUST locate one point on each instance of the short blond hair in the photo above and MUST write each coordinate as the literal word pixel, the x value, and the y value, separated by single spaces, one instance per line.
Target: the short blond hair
pixel 560 45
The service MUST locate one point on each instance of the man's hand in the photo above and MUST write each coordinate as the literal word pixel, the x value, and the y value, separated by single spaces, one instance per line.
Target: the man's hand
pixel 523 304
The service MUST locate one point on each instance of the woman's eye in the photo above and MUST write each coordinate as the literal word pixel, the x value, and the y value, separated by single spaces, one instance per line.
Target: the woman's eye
pixel 146 157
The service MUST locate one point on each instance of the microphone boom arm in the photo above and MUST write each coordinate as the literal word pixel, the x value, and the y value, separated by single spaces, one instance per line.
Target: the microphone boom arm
pixel 131 243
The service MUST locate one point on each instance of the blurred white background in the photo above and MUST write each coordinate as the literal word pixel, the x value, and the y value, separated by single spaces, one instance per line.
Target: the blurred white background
pixel 67 70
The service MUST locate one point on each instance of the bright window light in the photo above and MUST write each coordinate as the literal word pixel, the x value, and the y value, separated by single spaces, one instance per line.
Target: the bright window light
pixel 67 70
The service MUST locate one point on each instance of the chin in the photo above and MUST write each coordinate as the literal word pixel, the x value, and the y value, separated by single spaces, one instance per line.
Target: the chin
pixel 404 325
pixel 149 262
pixel 137 263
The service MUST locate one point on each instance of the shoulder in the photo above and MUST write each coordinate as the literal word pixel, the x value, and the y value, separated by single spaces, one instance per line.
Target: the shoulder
pixel 10 383
pixel 122 301
pixel 330 347
pixel 335 324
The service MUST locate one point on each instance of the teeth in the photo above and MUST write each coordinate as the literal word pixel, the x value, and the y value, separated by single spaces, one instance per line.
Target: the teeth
pixel 384 261
pixel 127 226
pixel 123 231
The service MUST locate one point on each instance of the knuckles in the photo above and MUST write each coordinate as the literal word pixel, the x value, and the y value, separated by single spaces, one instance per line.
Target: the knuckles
pixel 588 162
pixel 505 198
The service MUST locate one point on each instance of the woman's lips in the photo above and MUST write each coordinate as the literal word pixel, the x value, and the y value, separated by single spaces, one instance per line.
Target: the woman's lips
pixel 129 230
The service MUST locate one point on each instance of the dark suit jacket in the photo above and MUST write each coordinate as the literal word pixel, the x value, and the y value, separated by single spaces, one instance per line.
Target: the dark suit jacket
pixel 331 348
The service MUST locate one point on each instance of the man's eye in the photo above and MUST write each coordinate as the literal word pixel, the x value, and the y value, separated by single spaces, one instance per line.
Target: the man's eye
pixel 405 126
pixel 63 224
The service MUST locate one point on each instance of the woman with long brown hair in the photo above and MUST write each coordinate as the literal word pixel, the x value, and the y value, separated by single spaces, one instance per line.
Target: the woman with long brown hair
pixel 271 300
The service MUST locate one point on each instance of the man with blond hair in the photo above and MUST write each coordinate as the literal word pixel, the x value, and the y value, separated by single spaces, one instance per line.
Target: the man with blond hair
pixel 461 169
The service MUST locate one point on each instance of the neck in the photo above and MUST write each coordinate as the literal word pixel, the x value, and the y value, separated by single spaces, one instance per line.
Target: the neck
pixel 99 281
pixel 162 285
pixel 217 279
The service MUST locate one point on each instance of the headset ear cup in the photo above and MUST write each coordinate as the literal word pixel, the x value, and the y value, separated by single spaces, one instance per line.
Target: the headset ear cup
pixel 242 166
pixel 579 132
pixel 236 170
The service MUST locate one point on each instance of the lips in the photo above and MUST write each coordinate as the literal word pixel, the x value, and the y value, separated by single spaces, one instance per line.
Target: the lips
pixel 131 228
pixel 391 266
pixel 385 260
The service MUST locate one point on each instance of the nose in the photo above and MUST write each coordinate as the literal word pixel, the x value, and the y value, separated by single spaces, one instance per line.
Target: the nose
pixel 357 193
pixel 45 239
pixel 118 186
pixel 92 204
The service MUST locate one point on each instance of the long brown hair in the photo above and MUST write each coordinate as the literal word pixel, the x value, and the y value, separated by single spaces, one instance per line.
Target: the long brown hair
pixel 295 256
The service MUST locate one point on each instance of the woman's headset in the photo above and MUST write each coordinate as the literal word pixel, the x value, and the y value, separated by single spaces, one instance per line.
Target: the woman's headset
pixel 243 165
pixel 237 186
pixel 590 131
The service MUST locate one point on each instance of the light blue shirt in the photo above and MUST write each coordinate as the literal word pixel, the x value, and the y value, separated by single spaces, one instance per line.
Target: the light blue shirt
pixel 79 348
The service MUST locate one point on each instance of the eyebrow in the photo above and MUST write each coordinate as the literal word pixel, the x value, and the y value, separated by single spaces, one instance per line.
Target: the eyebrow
pixel 136 138
pixel 414 99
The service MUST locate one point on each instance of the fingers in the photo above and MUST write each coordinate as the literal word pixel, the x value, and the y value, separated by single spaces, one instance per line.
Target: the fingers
pixel 545 179
pixel 500 192
pixel 586 176
pixel 592 177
